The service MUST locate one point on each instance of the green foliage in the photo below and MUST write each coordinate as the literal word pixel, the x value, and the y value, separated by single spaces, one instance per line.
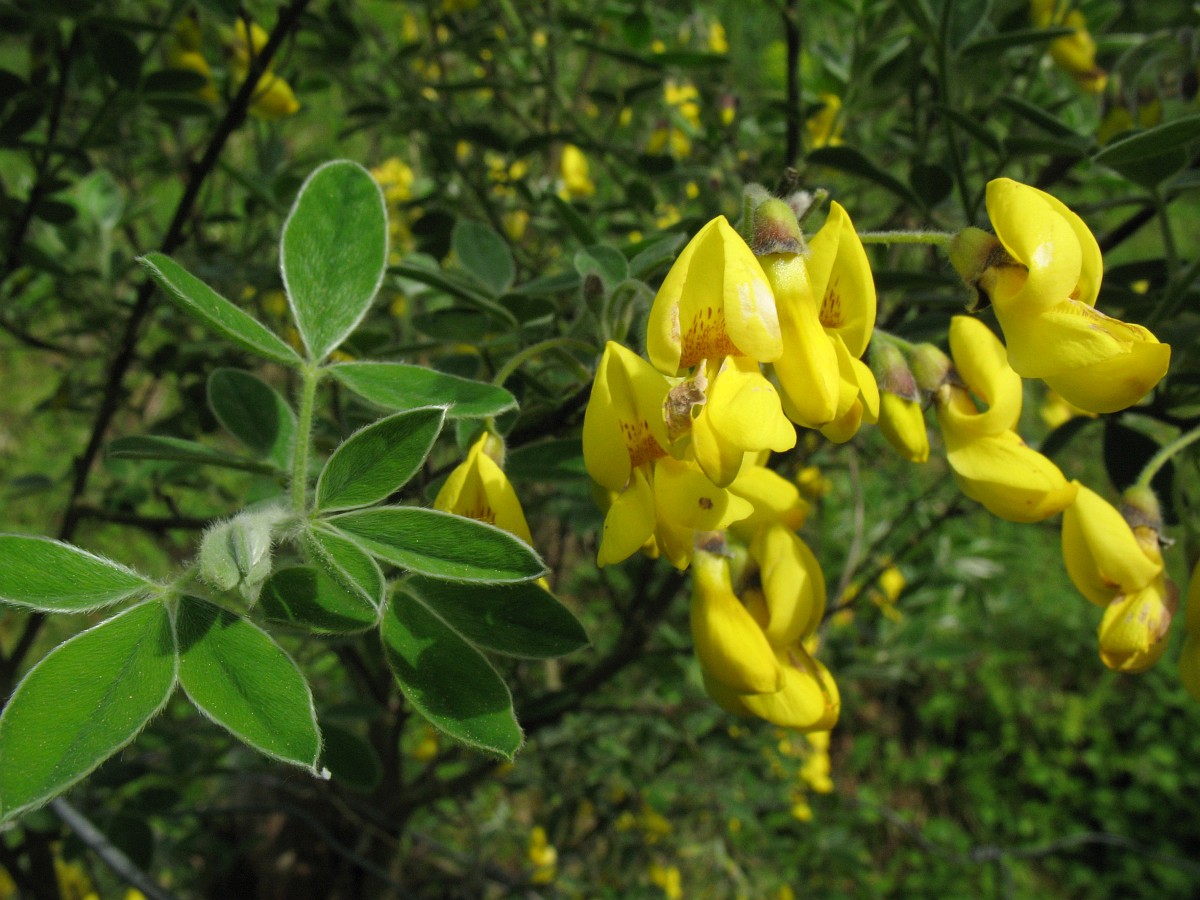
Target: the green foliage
pixel 242 680
pixel 56 577
pixel 446 678
pixel 333 253
pixel 84 701
pixel 287 406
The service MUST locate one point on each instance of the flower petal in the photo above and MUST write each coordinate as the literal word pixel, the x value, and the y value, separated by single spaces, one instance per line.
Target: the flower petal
pixel 730 645
pixel 792 582
pixel 841 281
pixel 629 523
pixel 1010 479
pixel 1101 552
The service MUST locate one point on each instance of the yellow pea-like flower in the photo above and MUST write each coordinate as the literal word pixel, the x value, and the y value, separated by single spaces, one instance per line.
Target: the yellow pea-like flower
pixel 1044 293
pixel 990 462
pixel 731 646
pixel 576 173
pixel 1074 53
pixel 902 423
pixel 825 126
pixel 479 489
pixel 714 302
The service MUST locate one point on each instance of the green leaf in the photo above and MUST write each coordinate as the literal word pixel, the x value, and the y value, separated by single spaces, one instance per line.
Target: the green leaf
pixel 55 577
pixel 171 449
pixel 242 680
pixel 378 459
pixel 86 700
pixel 446 679
pixel 400 386
pixel 347 563
pixel 254 413
pixel 606 262
pixel 333 253
pixel 575 223
pixel 350 759
pixel 654 254
pixel 484 254
pixel 847 159
pixel 514 619
pixel 441 545
pixel 199 300
pixel 1019 37
pixel 309 598
pixel 1150 156
pixel 1042 119
pixel 973 126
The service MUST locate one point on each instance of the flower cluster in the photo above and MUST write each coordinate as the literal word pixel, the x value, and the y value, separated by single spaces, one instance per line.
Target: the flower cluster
pixel 273 97
pixel 679 444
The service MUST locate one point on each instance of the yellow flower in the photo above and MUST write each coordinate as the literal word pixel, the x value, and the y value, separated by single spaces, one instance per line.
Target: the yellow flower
pixel 273 97
pixel 826 309
pixel 479 489
pixel 1074 53
pixel 1119 568
pixel 542 856
pixel 739 414
pixel 668 879
pixel 395 177
pixel 902 422
pixel 717 41
pixel 750 649
pixel 991 463
pixel 825 125
pixel 577 182
pixel 715 302
pixel 684 97
pixel 1044 289
pixel 1056 411
pixel 183 52
pixel 625 450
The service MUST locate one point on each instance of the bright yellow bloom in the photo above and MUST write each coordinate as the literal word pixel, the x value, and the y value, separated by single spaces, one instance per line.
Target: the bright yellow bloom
pixel 1044 293
pixel 990 461
pixel 666 137
pixel 683 97
pixel 625 450
pixel 668 879
pixel 576 177
pixel 479 489
pixel 715 302
pixel 1119 568
pixel 542 856
pixel 750 649
pixel 717 41
pixel 1074 53
pixel 826 308
pixel 395 177
pixel 902 422
pixel 183 52
pixel 273 97
pixel 825 125
pixel 1056 411
pixel 740 414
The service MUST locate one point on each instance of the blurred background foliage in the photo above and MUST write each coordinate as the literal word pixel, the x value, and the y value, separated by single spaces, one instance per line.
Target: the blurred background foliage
pixel 543 163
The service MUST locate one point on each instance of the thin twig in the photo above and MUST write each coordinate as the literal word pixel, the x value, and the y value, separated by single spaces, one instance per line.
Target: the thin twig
pixel 109 854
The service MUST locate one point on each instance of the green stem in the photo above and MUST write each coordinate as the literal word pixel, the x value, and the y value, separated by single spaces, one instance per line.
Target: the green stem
pixel 940 238
pixel 309 376
pixel 1163 456
pixel 518 359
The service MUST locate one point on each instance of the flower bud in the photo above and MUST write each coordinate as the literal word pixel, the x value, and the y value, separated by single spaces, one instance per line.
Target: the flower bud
pixel 930 367
pixel 1140 508
pixel 237 553
pixel 892 373
pixel 774 229
pixel 972 252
